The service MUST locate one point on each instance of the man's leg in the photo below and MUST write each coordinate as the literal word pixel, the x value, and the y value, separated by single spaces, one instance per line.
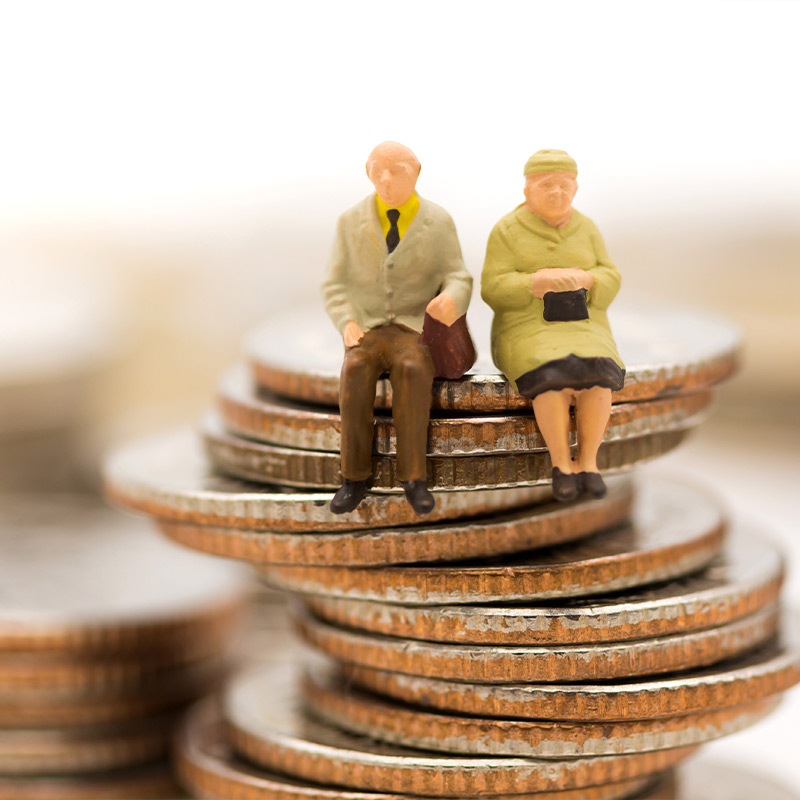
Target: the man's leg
pixel 361 369
pixel 411 373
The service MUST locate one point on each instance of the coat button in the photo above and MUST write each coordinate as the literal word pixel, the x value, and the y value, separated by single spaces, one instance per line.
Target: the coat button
pixel 390 264
pixel 389 292
pixel 551 247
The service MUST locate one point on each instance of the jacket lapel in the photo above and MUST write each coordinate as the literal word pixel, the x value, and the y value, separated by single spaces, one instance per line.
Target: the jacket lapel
pixel 370 233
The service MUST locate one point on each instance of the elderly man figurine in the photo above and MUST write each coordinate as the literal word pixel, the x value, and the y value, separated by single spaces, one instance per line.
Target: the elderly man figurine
pixel 395 258
pixel 549 280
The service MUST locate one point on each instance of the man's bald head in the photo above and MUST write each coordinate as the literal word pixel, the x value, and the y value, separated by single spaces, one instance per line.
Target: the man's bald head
pixel 393 169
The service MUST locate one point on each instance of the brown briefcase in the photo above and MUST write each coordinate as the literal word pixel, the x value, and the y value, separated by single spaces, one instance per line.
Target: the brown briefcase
pixel 451 346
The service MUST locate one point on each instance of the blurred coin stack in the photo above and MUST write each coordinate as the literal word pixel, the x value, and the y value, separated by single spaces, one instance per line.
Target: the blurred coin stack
pixel 505 645
pixel 107 633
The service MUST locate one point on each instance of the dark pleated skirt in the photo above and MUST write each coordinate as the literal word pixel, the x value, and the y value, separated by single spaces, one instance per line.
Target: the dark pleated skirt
pixel 571 372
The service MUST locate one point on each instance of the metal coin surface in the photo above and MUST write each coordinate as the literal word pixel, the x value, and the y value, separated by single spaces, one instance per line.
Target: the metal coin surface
pixel 244 458
pixel 665 350
pixel 553 664
pixel 57 752
pixel 169 477
pixel 747 576
pixel 76 706
pixel 77 577
pixel 766 672
pixel 274 421
pixel 267 727
pixel 140 783
pixel 534 526
pixel 675 530
pixel 330 698
pixel 209 768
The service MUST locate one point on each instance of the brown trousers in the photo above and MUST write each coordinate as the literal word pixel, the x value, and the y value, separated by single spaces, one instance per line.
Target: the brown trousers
pixel 397 350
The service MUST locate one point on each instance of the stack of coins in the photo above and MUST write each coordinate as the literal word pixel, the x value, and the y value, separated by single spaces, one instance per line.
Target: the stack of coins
pixel 504 645
pixel 107 632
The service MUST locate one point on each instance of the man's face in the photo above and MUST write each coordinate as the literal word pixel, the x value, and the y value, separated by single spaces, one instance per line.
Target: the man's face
pixel 550 194
pixel 394 176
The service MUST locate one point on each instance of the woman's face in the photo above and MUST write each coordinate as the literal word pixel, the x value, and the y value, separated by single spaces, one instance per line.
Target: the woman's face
pixel 550 194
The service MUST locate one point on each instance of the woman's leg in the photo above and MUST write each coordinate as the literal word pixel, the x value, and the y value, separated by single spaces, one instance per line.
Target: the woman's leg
pixel 592 410
pixel 552 416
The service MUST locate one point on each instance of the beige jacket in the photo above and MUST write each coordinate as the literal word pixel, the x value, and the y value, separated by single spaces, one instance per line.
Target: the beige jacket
pixel 367 284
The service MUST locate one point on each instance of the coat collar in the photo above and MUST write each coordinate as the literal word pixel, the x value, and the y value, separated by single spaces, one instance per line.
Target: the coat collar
pixel 537 225
pixel 370 225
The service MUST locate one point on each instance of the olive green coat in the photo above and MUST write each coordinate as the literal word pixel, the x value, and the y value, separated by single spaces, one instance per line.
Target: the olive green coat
pixel 519 245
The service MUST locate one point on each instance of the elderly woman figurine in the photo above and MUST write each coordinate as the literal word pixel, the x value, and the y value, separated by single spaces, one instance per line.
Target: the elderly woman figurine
pixel 549 280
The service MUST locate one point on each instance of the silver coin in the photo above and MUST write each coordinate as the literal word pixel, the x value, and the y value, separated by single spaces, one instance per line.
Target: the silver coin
pixel 255 461
pixel 665 350
pixel 169 477
pixel 73 569
pixel 266 725
pixel 746 577
pixel 675 530
pixel 269 419
pixel 765 672
pixel 553 664
pixel 329 697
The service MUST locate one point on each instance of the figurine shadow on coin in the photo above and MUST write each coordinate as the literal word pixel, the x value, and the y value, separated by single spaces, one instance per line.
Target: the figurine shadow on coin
pixel 397 291
pixel 549 280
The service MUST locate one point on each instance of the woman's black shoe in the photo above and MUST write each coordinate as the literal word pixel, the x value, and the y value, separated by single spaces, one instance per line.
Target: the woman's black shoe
pixel 418 496
pixel 592 484
pixel 350 495
pixel 565 485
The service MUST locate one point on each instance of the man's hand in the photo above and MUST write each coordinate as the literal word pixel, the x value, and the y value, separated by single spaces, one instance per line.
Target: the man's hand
pixel 443 308
pixel 353 333
pixel 560 280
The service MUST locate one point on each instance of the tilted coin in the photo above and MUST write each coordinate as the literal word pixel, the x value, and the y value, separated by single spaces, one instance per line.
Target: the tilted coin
pixel 665 350
pixel 256 461
pixel 140 783
pixel 747 576
pixel 269 419
pixel 77 577
pixel 534 526
pixel 329 697
pixel 209 768
pixel 75 706
pixel 765 672
pixel 543 664
pixel 267 727
pixel 169 477
pixel 675 530
pixel 703 780
pixel 80 750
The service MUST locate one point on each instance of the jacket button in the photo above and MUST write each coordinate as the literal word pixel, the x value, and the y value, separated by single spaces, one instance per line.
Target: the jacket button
pixel 392 317
pixel 389 292
pixel 390 264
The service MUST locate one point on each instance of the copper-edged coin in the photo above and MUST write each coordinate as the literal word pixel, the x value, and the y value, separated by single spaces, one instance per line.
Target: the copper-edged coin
pixel 267 418
pixel 665 350
pixel 745 577
pixel 209 768
pixel 99 703
pixel 541 525
pixel 675 530
pixel 765 672
pixel 267 727
pixel 139 783
pixel 79 750
pixel 76 577
pixel 169 477
pixel 255 461
pixel 329 697
pixel 544 664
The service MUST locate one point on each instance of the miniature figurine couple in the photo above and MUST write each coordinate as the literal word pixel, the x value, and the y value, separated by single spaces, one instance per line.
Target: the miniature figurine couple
pixel 397 264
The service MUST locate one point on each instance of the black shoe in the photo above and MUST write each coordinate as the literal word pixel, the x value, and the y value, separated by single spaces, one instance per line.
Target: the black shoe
pixel 566 486
pixel 592 484
pixel 350 495
pixel 418 496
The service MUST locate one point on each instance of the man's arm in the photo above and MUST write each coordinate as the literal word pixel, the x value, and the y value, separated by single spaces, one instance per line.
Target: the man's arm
pixel 335 293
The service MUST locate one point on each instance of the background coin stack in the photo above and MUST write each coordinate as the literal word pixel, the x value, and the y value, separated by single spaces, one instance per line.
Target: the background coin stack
pixel 504 645
pixel 107 633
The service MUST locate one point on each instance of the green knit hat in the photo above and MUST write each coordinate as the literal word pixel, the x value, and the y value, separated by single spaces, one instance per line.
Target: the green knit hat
pixel 549 161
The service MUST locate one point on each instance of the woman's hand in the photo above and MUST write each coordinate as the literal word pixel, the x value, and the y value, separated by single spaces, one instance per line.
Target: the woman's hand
pixel 560 280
